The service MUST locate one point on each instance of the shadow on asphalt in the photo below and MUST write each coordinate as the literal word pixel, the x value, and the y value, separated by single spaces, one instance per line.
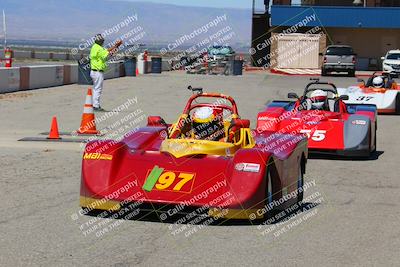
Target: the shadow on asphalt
pixel 204 220
pixel 342 74
pixel 374 156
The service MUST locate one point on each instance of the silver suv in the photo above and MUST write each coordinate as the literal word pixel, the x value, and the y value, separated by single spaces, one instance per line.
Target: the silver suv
pixel 339 58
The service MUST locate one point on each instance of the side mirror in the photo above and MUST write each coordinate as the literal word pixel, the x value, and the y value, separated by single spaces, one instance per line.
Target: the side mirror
pixel 344 97
pixel 293 96
pixel 155 121
pixel 382 58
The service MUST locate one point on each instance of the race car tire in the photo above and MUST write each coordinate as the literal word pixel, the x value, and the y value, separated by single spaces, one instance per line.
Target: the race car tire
pixel 300 184
pixel 398 104
pixel 269 197
pixel 374 150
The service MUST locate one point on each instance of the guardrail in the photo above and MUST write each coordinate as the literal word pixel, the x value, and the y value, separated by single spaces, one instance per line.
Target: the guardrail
pixel 34 77
pixel 20 54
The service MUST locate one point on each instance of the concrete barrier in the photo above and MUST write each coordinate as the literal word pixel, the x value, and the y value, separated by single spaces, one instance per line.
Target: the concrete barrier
pixel 22 54
pixel 9 80
pixel 46 76
pixel 60 56
pixel 113 71
pixel 74 73
pixel 33 77
pixel 166 66
pixel 40 55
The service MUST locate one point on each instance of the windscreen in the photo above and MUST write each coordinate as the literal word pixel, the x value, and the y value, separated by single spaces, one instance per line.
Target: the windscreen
pixel 341 51
pixel 214 102
pixel 330 94
pixel 393 56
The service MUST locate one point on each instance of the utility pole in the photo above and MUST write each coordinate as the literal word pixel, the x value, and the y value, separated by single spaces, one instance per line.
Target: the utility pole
pixel 4 29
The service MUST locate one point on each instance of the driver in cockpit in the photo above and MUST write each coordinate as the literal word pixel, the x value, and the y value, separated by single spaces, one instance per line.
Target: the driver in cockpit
pixel 378 82
pixel 207 124
pixel 318 100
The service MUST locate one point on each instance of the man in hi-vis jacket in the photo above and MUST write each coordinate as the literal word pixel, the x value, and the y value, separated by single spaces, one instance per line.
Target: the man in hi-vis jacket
pixel 98 65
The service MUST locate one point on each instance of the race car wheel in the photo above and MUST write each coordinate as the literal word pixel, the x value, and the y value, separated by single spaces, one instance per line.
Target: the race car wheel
pixel 398 104
pixel 269 196
pixel 300 184
pixel 375 148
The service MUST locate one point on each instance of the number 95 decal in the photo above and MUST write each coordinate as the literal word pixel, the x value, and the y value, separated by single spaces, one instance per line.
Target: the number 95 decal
pixel 317 136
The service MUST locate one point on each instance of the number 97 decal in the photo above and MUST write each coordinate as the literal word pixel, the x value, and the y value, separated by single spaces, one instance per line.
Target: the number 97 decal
pixel 317 136
pixel 169 180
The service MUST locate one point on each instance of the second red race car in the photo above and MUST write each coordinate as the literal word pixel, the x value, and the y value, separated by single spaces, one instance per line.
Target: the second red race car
pixel 208 161
pixel 332 126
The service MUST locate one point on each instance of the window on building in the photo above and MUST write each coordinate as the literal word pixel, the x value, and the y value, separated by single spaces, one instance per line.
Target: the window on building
pixel 390 3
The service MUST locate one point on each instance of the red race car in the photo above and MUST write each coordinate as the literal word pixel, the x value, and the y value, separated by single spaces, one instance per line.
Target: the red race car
pixel 209 162
pixel 332 126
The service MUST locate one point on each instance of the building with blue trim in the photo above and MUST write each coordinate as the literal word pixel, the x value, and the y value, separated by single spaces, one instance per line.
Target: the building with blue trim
pixel 371 27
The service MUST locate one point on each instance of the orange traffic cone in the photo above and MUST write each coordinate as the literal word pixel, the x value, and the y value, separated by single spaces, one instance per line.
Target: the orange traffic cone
pixel 88 124
pixel 54 134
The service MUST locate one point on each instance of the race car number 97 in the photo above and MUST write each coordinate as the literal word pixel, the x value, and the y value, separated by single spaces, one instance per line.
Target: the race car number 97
pixel 168 180
pixel 318 135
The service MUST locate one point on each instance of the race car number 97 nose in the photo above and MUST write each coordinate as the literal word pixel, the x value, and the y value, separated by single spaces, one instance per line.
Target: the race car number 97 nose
pixel 168 180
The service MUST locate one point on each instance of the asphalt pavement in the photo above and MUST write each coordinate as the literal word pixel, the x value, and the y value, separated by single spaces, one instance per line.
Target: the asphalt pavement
pixel 354 220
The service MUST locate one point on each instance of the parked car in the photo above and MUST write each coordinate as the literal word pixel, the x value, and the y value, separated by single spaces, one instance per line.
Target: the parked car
pixel 218 52
pixel 391 62
pixel 339 58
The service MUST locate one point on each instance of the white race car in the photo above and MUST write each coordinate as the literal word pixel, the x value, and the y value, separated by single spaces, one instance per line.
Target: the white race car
pixel 380 90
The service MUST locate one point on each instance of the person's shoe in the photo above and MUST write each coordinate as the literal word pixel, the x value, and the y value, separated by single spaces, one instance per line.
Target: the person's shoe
pixel 99 109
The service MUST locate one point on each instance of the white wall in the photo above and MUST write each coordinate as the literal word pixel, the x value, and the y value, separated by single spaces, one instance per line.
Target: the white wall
pixel 22 54
pixel 49 75
pixel 74 73
pixel 46 76
pixel 9 80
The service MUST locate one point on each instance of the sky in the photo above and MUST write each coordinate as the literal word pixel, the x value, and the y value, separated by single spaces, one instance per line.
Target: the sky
pixel 215 3
pixel 206 3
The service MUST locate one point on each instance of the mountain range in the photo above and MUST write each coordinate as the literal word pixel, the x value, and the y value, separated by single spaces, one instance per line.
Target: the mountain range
pixel 81 19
